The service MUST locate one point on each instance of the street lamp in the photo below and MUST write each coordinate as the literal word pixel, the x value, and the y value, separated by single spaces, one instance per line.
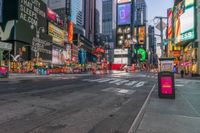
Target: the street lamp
pixel 36 46
pixel 161 30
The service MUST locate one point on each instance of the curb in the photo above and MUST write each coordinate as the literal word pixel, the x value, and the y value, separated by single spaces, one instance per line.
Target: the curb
pixel 140 115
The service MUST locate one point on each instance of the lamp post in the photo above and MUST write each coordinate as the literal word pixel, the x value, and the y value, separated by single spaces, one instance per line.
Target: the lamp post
pixel 36 46
pixel 161 31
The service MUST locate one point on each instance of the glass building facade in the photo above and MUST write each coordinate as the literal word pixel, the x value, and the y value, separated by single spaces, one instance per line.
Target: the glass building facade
pixel 107 6
pixel 76 12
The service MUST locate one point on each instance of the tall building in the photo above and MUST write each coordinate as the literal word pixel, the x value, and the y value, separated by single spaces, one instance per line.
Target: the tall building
pixel 76 12
pixel 140 12
pixel 97 21
pixel 152 43
pixel 98 16
pixel 151 36
pixel 89 18
pixel 109 18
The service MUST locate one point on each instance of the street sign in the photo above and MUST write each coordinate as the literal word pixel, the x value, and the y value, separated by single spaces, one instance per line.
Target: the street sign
pixel 164 25
pixel 6 46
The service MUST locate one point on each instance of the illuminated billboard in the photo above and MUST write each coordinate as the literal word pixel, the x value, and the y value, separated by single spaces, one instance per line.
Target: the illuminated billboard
pixel 70 32
pixel 142 35
pixel 123 1
pixel 57 34
pixel 184 21
pixel 124 14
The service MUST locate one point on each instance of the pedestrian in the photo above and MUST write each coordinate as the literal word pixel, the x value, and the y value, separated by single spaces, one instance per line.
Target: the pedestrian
pixel 182 73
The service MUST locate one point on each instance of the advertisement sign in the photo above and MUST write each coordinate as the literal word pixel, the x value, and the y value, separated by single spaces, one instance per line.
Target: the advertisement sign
pixel 141 53
pixel 1 11
pixel 70 32
pixel 57 34
pixel 58 56
pixel 122 60
pixel 120 51
pixel 57 4
pixel 166 85
pixel 31 17
pixel 184 21
pixel 124 14
pixel 142 35
pixel 52 16
pixel 123 1
pixel 170 28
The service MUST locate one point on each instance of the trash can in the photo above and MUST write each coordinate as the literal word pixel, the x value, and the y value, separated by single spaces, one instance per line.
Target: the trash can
pixel 166 87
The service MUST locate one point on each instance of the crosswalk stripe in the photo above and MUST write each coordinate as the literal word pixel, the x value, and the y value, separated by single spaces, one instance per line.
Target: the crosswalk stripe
pixel 139 84
pixel 115 81
pixel 122 82
pixel 104 80
pixel 131 83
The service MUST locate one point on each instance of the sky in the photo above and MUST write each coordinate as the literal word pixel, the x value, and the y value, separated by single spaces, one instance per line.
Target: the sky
pixel 158 8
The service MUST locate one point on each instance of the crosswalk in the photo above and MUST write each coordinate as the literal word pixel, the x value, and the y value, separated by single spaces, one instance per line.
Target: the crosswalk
pixel 119 82
pixel 147 75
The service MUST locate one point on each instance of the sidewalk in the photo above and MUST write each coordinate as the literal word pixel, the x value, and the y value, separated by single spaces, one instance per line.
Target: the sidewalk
pixel 181 115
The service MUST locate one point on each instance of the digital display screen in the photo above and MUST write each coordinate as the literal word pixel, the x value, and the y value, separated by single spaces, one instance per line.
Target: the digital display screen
pixel 184 21
pixel 124 14
pixel 166 85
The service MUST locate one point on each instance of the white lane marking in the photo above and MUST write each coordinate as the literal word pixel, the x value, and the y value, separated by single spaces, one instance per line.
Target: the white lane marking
pixel 125 91
pixel 131 83
pixel 140 115
pixel 134 84
pixel 119 90
pixel 122 82
pixel 115 81
pixel 140 84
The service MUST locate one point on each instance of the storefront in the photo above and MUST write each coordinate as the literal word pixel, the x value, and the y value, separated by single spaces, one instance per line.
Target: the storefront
pixel 189 61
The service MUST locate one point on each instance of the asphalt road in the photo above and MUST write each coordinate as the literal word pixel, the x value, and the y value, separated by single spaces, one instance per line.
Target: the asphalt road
pixel 73 104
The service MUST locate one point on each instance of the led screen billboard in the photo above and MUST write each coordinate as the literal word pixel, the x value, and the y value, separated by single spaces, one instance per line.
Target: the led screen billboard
pixel 123 1
pixel 142 35
pixel 57 34
pixel 124 14
pixel 184 21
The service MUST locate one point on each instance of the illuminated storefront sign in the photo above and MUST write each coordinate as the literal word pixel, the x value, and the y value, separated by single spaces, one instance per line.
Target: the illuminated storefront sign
pixel 184 21
pixel 124 14
pixel 57 34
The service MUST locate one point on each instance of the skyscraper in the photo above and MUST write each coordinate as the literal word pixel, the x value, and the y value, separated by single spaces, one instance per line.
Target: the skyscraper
pixel 108 21
pixel 89 18
pixel 76 12
pixel 140 12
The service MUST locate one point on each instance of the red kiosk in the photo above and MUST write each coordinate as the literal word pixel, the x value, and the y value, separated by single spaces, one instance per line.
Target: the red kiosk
pixel 166 88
